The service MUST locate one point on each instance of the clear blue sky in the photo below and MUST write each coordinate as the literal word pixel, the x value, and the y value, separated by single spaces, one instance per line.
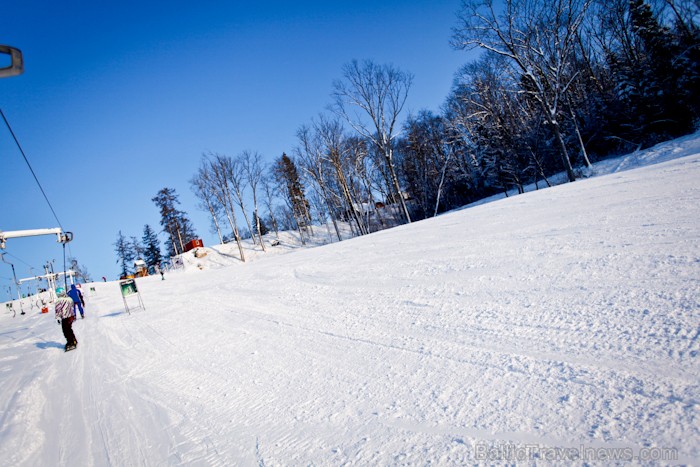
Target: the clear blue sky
pixel 120 99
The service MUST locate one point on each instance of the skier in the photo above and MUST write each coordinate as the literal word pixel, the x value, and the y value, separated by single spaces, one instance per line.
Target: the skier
pixel 78 300
pixel 158 269
pixel 65 317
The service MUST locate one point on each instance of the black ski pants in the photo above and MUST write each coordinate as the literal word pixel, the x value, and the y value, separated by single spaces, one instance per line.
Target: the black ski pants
pixel 67 326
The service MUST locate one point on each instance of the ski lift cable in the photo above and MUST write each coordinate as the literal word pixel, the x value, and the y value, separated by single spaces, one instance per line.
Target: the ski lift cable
pixel 20 259
pixel 30 168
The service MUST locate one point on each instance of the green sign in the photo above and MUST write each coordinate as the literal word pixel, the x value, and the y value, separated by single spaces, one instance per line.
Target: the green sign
pixel 128 287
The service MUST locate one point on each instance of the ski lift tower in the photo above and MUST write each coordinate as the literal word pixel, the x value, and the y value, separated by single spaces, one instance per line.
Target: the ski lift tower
pixel 19 294
pixel 62 237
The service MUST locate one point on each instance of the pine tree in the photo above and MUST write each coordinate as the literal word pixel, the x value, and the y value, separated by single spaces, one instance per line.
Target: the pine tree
pixel 287 175
pixel 125 254
pixel 175 223
pixel 152 253
pixel 137 248
pixel 659 82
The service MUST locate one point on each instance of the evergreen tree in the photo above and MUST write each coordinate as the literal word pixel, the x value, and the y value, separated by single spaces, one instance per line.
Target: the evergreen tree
pixel 659 82
pixel 137 248
pixel 652 99
pixel 175 223
pixel 125 254
pixel 152 253
pixel 287 175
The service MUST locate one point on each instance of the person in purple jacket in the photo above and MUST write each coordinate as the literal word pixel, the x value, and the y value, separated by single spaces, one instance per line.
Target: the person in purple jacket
pixel 64 316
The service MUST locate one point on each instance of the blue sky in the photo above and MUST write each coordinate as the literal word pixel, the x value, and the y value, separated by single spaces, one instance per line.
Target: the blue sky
pixel 120 99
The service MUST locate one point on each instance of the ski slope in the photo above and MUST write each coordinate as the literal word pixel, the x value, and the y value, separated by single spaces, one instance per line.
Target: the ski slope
pixel 560 325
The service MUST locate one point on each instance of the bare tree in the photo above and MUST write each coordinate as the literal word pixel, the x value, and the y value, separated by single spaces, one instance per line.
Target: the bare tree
pixel 339 152
pixel 270 192
pixel 238 182
pixel 203 188
pixel 358 170
pixel 319 208
pixel 499 119
pixel 221 167
pixel 539 39
pixel 376 93
pixel 81 272
pixel 686 14
pixel 313 161
pixel 253 169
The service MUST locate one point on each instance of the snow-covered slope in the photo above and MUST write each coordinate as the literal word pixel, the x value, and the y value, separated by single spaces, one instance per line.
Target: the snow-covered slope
pixel 560 324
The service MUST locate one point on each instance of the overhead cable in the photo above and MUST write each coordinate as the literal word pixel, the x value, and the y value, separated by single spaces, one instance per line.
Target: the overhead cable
pixel 30 167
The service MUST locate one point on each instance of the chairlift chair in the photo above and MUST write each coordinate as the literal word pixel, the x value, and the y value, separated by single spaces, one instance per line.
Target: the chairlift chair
pixel 16 66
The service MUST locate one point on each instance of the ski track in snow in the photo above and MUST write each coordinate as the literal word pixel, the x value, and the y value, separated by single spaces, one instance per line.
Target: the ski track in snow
pixel 563 317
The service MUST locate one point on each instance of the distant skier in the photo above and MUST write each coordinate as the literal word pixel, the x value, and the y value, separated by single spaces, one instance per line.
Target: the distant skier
pixel 65 317
pixel 78 300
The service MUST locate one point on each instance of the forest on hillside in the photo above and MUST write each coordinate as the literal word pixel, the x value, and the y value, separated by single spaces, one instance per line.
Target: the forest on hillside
pixel 558 84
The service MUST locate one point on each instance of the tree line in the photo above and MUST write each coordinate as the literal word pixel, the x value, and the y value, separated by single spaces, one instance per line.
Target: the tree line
pixel 558 85
pixel 562 83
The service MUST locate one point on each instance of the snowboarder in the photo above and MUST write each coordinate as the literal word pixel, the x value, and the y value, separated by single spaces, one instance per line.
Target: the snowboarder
pixel 64 316
pixel 78 300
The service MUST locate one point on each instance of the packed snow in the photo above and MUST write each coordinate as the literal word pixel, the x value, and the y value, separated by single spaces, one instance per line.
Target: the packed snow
pixel 558 325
